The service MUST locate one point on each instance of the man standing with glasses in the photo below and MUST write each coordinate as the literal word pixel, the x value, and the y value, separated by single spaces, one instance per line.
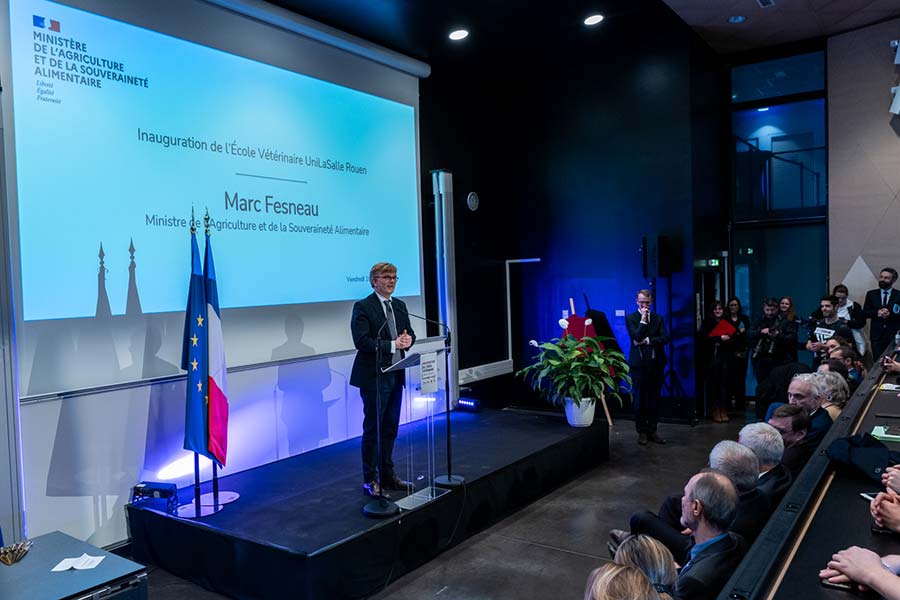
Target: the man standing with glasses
pixel 380 323
pixel 647 360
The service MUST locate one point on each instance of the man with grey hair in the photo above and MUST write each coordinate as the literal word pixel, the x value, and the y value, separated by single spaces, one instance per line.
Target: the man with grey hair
pixel 767 444
pixel 738 462
pixel 806 391
pixel 741 466
pixel 708 507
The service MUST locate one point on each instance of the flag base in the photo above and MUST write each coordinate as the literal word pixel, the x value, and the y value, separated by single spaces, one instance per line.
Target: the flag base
pixel 224 498
pixel 449 481
pixel 381 508
pixel 189 511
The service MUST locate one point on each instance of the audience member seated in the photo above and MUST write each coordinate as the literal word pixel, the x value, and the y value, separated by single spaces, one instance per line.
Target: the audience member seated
pixel 792 422
pixel 767 444
pixel 741 466
pixel 850 357
pixel 806 391
pixel 890 365
pixel 774 389
pixel 866 569
pixel 653 559
pixel 885 508
pixel 837 392
pixel 618 582
pixel 835 365
pixel 708 508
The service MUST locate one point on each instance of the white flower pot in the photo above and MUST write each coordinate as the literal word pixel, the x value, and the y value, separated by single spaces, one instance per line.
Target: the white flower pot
pixel 580 415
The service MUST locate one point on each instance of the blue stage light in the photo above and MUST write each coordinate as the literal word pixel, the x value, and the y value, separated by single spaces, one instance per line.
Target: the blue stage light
pixel 468 404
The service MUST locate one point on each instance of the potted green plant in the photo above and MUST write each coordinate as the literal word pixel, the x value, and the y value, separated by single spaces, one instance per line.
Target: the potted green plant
pixel 575 373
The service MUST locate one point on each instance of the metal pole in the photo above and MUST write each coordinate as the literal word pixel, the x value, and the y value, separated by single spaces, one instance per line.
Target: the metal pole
pixel 197 484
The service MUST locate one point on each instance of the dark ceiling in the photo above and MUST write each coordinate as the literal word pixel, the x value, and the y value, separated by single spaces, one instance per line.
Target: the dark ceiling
pixel 781 22
pixel 419 28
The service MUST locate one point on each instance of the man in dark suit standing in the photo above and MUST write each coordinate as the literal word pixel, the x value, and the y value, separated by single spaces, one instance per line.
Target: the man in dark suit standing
pixel 380 324
pixel 647 359
pixel 882 308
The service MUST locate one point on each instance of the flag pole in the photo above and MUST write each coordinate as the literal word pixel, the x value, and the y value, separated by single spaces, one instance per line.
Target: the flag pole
pixel 196 302
pixel 196 456
pixel 218 498
pixel 197 485
pixel 215 466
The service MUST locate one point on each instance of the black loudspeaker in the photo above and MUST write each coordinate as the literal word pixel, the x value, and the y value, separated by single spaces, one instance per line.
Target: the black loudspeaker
pixel 670 255
pixel 661 256
pixel 649 257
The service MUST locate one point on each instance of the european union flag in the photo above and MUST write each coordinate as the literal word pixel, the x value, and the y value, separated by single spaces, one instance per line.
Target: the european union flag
pixel 195 359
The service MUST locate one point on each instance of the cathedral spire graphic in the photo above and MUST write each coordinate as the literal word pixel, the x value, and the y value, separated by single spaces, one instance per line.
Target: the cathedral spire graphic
pixel 133 303
pixel 103 309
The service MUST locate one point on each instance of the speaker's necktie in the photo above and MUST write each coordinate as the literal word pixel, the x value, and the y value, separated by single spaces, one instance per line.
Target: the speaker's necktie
pixel 392 326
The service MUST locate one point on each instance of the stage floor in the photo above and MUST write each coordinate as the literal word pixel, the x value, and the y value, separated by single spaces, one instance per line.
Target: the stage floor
pixel 305 512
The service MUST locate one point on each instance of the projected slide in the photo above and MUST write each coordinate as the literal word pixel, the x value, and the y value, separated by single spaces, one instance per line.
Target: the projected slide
pixel 120 131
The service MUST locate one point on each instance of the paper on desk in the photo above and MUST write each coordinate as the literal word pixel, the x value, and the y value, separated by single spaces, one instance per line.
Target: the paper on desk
pixel 82 562
pixel 889 387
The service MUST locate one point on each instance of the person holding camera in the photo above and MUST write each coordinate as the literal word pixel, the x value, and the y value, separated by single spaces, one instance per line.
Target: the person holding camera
pixel 771 338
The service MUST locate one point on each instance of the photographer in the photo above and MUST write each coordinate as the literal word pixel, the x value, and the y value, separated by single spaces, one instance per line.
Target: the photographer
pixel 771 338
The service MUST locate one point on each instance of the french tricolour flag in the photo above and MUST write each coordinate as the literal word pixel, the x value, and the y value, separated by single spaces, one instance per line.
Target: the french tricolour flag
pixel 42 23
pixel 218 388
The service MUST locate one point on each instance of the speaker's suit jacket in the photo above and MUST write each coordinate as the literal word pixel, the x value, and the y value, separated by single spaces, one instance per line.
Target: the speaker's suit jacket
pixel 369 330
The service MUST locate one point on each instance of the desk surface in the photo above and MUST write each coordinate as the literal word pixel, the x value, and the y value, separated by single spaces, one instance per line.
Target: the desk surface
pixel 841 520
pixel 33 579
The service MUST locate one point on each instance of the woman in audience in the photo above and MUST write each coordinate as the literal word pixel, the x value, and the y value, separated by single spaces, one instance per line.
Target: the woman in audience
pixel 837 393
pixel 653 559
pixel 716 349
pixel 618 582
pixel 786 309
pixel 736 367
pixel 866 569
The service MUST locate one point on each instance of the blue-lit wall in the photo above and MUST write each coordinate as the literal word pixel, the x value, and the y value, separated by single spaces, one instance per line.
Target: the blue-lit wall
pixel 577 152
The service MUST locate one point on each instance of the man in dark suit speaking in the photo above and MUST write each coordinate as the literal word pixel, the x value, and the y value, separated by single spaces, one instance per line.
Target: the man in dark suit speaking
pixel 380 323
pixel 647 360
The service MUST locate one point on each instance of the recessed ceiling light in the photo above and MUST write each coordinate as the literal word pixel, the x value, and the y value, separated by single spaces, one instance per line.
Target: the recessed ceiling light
pixel 762 109
pixel 735 19
pixel 593 19
pixel 459 34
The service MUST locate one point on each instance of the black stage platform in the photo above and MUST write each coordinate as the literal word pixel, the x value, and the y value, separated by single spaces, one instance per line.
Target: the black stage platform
pixel 298 530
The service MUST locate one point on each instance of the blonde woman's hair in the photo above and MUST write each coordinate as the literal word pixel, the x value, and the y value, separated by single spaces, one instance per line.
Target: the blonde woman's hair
pixel 652 558
pixel 836 388
pixel 618 582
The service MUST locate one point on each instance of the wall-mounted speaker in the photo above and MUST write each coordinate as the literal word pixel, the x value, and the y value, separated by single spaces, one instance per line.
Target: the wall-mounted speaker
pixel 661 255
